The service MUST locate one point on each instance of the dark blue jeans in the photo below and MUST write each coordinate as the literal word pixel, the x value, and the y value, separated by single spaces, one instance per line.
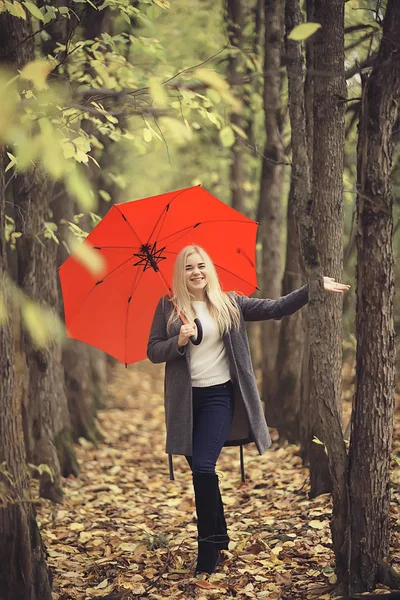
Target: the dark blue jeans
pixel 212 419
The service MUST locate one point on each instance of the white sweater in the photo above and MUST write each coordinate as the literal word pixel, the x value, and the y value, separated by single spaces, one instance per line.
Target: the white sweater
pixel 209 364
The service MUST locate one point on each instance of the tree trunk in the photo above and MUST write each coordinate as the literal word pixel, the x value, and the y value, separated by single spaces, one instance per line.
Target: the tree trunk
pixel 45 411
pixel 235 20
pixel 327 193
pixel 23 569
pixel 291 339
pixel 79 376
pixel 321 360
pixel 306 412
pixel 372 418
pixel 269 213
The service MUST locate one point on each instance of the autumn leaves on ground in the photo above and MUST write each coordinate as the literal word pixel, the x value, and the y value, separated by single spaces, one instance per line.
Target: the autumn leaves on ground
pixel 124 530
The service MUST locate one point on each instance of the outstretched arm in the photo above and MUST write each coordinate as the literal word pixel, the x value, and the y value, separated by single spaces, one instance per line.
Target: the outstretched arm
pixel 258 309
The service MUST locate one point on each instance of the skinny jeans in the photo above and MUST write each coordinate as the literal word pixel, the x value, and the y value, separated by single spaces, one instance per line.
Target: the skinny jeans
pixel 212 420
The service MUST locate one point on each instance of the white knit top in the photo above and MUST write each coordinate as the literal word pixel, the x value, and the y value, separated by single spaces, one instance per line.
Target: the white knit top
pixel 209 364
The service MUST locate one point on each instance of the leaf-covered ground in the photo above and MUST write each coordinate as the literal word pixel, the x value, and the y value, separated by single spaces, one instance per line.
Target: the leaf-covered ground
pixel 124 530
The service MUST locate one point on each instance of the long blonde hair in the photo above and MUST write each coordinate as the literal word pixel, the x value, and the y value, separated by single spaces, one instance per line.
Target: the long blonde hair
pixel 221 305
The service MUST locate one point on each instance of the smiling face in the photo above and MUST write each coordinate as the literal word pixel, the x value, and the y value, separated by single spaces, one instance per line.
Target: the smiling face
pixel 196 275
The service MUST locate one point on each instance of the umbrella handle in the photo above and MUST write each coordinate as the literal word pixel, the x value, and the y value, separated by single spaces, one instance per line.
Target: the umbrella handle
pixel 196 341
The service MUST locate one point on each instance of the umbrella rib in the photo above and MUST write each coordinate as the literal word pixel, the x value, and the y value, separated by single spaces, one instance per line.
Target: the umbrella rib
pixel 135 284
pixel 164 213
pixel 94 287
pixel 220 267
pixel 128 223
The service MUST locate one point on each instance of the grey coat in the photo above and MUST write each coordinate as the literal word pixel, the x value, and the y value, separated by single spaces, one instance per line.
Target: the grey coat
pixel 249 424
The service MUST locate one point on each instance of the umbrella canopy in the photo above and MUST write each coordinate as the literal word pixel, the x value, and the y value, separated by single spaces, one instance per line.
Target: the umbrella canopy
pixel 139 241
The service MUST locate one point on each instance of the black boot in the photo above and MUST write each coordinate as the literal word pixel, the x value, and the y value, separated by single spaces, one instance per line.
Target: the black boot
pixel 207 500
pixel 222 533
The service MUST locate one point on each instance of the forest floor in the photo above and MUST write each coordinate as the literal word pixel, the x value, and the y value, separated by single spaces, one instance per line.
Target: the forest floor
pixel 125 531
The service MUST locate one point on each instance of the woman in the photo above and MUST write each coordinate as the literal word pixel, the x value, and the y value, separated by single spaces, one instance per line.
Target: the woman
pixel 211 396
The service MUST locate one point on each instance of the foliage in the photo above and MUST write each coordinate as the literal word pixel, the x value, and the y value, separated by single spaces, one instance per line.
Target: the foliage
pixel 123 527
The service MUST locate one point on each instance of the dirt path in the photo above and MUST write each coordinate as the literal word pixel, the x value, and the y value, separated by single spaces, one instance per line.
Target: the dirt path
pixel 125 530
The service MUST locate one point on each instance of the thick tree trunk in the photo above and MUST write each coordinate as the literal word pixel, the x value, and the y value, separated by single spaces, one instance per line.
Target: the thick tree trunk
pixel 372 418
pixel 23 569
pixel 45 410
pixel 323 364
pixel 306 412
pixel 327 192
pixel 269 214
pixel 291 339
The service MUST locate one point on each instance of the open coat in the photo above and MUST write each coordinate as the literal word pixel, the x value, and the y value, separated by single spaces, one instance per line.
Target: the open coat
pixel 249 424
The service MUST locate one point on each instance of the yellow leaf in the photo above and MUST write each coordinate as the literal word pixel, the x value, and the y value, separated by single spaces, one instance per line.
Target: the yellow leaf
pixel 37 72
pixel 157 92
pixel 90 258
pixel 147 135
pixel 3 309
pixel 19 11
pixel 303 31
pixel 78 186
pixel 215 81
pixel 316 524
pixel 35 323
pixel 176 129
pixel 76 527
pixel 85 536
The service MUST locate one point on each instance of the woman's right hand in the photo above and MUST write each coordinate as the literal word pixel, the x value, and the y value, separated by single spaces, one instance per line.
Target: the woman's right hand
pixel 185 333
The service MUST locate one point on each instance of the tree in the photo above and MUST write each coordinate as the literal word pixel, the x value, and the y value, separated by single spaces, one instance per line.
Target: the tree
pixel 235 71
pixel 269 211
pixel 23 570
pixel 360 504
pixel 45 411
pixel 372 417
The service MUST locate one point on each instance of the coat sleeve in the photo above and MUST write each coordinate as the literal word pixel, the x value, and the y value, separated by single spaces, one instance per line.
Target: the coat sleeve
pixel 161 348
pixel 258 309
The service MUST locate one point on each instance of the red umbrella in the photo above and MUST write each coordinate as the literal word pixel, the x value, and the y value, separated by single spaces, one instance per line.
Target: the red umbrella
pixel 139 242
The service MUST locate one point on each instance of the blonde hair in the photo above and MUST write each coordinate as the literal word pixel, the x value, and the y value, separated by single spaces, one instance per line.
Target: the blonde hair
pixel 223 309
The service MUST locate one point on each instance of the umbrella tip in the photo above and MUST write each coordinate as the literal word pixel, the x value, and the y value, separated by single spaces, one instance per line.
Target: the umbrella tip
pixel 126 365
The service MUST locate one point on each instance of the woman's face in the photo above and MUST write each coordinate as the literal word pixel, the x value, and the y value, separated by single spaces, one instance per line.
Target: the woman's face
pixel 196 274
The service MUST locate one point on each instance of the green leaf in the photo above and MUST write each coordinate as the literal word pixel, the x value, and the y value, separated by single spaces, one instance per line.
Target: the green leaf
pixel 227 136
pixel 33 9
pixel 303 31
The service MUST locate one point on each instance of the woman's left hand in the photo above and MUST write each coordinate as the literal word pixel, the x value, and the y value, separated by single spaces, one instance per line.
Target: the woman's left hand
pixel 330 285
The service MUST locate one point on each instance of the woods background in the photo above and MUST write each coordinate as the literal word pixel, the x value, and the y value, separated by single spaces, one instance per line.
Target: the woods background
pixel 295 126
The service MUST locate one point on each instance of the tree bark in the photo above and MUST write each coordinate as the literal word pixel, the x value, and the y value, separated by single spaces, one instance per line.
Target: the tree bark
pixel 235 22
pixel 291 339
pixel 44 411
pixel 76 356
pixel 372 417
pixel 23 569
pixel 328 216
pixel 269 213
pixel 322 362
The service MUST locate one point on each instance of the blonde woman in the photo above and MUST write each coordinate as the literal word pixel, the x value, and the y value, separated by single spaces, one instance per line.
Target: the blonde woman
pixel 211 396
